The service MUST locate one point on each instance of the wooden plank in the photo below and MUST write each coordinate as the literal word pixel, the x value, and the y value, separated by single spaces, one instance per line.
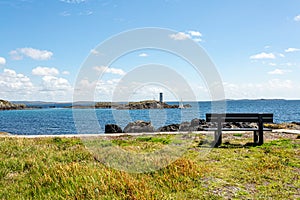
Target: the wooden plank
pixel 239 117
pixel 237 129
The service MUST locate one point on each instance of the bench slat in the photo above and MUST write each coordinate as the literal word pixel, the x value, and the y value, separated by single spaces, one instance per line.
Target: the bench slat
pixel 239 117
pixel 237 129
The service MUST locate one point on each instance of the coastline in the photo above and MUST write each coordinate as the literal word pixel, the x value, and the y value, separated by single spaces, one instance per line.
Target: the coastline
pixel 275 131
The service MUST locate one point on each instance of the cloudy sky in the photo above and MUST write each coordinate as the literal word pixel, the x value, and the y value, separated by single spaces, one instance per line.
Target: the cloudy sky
pixel 255 45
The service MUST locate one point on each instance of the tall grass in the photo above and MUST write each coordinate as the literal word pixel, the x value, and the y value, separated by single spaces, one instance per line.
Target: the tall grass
pixel 61 168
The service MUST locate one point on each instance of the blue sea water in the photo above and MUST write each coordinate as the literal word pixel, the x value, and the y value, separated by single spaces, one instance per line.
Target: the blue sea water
pixel 68 121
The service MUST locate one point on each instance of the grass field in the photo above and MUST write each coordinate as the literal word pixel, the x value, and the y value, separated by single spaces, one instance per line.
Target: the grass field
pixel 63 168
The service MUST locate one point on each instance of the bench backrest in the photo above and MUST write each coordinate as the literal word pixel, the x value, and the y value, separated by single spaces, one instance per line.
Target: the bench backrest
pixel 239 117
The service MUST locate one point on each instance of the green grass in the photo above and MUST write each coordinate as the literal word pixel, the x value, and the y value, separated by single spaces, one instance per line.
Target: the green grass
pixel 61 168
pixel 237 134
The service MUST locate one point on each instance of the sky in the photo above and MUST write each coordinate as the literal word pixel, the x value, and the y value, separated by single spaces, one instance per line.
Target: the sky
pixel 254 45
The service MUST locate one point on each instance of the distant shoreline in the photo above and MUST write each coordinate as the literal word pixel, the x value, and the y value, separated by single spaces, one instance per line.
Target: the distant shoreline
pixel 168 101
pixel 31 105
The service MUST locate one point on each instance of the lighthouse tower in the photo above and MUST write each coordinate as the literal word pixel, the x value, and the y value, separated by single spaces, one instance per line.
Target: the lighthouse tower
pixel 161 97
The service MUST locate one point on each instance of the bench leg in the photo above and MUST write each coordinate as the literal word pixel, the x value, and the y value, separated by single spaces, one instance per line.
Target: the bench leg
pixel 255 137
pixel 260 131
pixel 218 138
pixel 261 137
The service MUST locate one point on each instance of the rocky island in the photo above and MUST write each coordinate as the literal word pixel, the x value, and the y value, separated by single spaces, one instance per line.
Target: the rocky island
pixel 6 105
pixel 147 104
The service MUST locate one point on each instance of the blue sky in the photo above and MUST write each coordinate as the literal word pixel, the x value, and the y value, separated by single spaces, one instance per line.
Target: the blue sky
pixel 254 44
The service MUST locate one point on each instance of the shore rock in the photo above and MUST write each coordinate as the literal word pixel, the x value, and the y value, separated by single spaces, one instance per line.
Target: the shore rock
pixel 296 123
pixel 169 128
pixel 185 126
pixel 113 128
pixel 139 127
pixel 197 122
pixel 240 125
pixel 194 125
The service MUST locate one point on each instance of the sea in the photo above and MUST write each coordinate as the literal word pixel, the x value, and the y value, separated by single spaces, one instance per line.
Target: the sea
pixel 56 119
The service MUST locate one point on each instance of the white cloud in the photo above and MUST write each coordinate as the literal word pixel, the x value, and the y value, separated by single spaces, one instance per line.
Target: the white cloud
pixel 102 89
pixel 291 50
pixel 195 33
pixel 66 73
pixel 180 36
pixel 86 13
pixel 109 70
pixel 288 64
pixel 15 55
pixel 73 1
pixel 95 52
pixel 35 54
pixel 272 64
pixel 297 18
pixel 263 55
pixel 197 39
pixel 113 81
pixel 274 88
pixel 65 14
pixel 278 72
pixel 281 55
pixel 11 81
pixel 143 55
pixel 52 83
pixel 2 61
pixel 17 86
pixel 45 71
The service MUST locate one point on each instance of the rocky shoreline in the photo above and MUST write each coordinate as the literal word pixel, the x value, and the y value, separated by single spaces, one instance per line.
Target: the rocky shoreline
pixel 194 125
pixel 6 105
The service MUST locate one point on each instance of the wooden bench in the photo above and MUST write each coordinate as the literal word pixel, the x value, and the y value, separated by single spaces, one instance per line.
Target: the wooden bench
pixel 220 118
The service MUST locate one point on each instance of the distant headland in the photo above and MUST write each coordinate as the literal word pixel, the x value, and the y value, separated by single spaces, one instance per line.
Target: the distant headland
pixel 6 105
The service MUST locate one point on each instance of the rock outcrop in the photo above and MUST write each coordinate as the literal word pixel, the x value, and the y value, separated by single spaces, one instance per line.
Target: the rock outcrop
pixel 150 104
pixel 104 105
pixel 113 128
pixel 139 127
pixel 6 105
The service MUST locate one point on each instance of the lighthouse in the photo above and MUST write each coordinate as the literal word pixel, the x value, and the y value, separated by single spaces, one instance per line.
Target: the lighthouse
pixel 161 97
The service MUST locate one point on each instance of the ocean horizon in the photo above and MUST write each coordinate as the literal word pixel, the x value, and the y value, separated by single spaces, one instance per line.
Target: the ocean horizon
pixel 54 118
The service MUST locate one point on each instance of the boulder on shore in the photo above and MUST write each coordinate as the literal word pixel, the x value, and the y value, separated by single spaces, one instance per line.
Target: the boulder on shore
pixel 139 127
pixel 185 126
pixel 113 128
pixel 169 128
pixel 194 125
pixel 197 122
